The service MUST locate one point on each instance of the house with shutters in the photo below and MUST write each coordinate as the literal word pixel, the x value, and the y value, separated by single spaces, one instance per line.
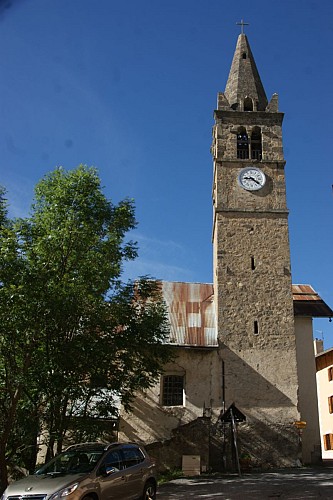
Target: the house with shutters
pixel 324 368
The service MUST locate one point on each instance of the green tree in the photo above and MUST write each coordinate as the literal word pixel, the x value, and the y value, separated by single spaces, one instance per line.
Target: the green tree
pixel 16 340
pixel 73 338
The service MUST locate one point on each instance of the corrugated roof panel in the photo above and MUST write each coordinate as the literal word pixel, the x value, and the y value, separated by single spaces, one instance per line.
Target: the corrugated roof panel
pixel 191 313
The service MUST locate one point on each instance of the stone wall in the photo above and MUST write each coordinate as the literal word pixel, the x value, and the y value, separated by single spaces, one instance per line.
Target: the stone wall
pixel 150 421
pixel 252 288
pixel 189 439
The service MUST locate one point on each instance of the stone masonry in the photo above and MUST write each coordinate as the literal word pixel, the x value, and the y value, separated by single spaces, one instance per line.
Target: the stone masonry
pixel 252 278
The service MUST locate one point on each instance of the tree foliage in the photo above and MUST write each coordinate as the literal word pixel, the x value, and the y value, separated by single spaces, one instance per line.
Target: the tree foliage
pixel 74 339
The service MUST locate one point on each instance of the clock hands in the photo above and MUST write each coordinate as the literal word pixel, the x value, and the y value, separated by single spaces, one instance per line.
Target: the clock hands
pixel 251 179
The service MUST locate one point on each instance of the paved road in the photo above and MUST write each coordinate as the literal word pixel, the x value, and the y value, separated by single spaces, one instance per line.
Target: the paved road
pixel 292 484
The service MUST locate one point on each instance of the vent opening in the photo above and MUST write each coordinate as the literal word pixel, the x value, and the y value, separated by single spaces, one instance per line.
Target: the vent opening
pixel 256 328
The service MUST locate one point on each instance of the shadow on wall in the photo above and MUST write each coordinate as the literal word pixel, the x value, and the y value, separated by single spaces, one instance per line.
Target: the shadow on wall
pixel 149 421
pixel 189 439
pixel 268 435
pixel 248 389
pixel 264 444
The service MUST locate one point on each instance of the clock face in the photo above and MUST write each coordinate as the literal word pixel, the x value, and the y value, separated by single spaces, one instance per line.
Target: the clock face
pixel 251 178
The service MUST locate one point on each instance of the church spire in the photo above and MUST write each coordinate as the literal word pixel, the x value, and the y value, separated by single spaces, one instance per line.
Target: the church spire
pixel 244 90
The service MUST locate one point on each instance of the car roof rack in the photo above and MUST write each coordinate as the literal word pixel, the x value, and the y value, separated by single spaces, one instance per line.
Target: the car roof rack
pixel 89 445
pixel 97 446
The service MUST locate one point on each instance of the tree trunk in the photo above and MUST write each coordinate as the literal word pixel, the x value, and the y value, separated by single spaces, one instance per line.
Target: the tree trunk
pixel 7 430
pixel 3 470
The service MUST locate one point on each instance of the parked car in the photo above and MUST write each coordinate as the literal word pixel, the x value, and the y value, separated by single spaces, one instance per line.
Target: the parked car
pixel 91 471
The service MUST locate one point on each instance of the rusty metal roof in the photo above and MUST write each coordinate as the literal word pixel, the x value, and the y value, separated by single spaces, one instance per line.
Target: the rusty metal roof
pixel 307 302
pixel 191 313
pixel 192 318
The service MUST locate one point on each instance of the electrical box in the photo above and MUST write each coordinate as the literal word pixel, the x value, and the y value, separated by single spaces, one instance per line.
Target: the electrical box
pixel 191 465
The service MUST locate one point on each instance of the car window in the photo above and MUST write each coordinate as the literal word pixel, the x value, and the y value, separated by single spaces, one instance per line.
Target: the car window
pixel 70 462
pixel 132 456
pixel 80 463
pixel 113 460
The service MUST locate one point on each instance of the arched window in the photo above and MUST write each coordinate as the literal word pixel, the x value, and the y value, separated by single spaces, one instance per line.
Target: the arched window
pixel 256 147
pixel 242 144
pixel 248 104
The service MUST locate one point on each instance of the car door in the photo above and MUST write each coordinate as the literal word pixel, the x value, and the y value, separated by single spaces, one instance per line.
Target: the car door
pixel 134 462
pixel 111 478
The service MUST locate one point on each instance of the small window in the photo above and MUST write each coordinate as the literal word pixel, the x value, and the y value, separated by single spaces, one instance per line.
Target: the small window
pixel 330 373
pixel 330 404
pixel 253 264
pixel 328 441
pixel 173 390
pixel 256 328
pixel 244 55
pixel 248 104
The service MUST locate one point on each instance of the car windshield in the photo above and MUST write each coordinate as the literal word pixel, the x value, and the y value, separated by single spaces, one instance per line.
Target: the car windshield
pixel 71 462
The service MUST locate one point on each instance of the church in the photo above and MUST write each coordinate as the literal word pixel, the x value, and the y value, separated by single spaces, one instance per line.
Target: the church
pixel 243 380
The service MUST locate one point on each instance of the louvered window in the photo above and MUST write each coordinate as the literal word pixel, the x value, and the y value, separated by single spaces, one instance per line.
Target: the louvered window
pixel 242 145
pixel 256 147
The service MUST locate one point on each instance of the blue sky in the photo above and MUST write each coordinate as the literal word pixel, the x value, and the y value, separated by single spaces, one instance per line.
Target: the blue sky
pixel 130 87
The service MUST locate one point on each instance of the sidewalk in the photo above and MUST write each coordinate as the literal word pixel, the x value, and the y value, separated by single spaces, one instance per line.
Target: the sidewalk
pixel 295 484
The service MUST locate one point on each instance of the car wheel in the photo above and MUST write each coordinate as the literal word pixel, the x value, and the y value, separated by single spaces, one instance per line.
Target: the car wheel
pixel 149 493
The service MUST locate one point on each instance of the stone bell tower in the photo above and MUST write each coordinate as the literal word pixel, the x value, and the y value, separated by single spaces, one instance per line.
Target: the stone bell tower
pixel 252 277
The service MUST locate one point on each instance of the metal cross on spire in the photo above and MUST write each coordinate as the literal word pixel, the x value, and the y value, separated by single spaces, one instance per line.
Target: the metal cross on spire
pixel 242 24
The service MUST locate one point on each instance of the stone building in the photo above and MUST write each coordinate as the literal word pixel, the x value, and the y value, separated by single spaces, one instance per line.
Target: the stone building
pixel 243 344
